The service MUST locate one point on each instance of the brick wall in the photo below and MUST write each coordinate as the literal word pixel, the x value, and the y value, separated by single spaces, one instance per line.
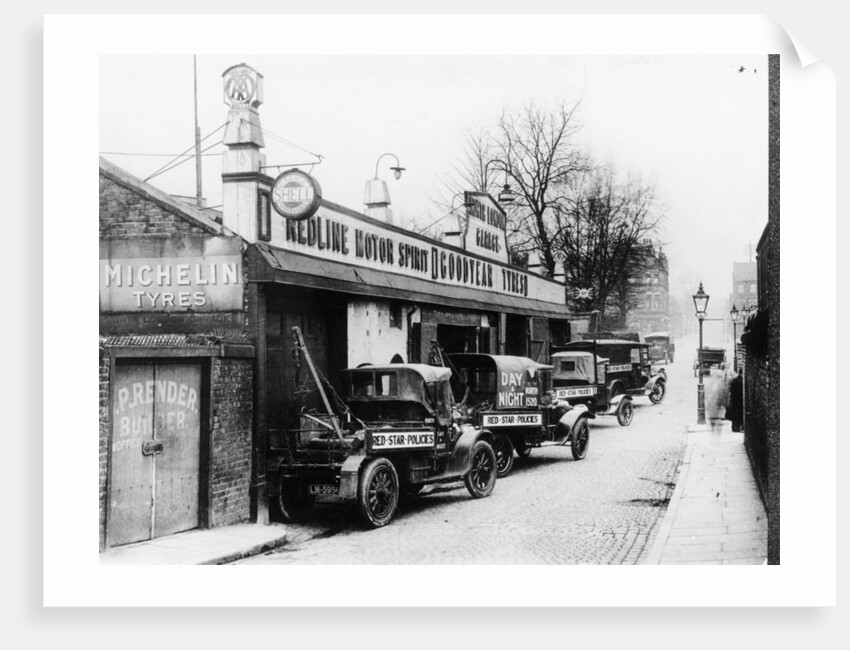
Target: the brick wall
pixel 761 339
pixel 103 446
pixel 230 457
pixel 131 209
pixel 126 213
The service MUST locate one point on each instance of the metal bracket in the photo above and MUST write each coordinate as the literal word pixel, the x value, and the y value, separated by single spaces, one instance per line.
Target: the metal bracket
pixel 152 447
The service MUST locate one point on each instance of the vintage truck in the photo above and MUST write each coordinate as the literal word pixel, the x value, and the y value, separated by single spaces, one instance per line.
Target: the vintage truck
pixel 511 396
pixel 397 432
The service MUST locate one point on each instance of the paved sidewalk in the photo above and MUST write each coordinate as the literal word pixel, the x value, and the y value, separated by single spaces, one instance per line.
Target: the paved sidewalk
pixel 715 515
pixel 212 546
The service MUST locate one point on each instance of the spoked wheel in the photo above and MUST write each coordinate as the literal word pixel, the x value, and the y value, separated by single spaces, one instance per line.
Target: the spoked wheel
pixel 294 503
pixel 658 391
pixel 624 413
pixel 377 494
pixel 580 439
pixel 504 449
pixel 481 478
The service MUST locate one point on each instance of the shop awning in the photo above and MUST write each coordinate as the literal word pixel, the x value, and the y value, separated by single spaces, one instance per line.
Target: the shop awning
pixel 269 264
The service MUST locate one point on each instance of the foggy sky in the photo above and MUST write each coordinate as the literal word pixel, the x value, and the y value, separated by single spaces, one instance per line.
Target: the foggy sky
pixel 693 126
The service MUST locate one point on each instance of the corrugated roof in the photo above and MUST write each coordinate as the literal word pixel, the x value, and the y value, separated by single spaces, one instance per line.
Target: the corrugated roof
pixel 288 267
pixel 172 340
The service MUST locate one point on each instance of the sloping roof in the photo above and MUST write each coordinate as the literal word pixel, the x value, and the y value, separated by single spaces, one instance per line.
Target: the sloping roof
pixel 287 267
pixel 201 218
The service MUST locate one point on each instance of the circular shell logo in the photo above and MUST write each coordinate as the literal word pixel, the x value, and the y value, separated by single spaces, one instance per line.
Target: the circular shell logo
pixel 296 195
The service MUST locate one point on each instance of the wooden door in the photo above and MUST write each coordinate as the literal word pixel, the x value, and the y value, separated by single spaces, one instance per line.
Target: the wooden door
pixel 155 463
pixel 177 468
pixel 131 493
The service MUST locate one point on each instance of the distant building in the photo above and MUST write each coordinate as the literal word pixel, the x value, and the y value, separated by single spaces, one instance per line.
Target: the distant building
pixel 650 291
pixel 744 286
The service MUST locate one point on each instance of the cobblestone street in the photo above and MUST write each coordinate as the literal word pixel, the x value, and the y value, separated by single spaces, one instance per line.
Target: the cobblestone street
pixel 549 510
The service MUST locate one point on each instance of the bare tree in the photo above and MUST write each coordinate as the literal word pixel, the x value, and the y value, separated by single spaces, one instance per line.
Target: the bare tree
pixel 565 206
pixel 536 152
pixel 604 240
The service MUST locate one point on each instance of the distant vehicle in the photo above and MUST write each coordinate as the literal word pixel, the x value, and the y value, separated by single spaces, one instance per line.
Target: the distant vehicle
pixel 618 367
pixel 711 358
pixel 396 434
pixel 511 397
pixel 661 347
pixel 579 379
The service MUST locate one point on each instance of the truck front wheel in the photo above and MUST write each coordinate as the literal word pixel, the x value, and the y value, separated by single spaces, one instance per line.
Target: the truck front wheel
pixel 481 478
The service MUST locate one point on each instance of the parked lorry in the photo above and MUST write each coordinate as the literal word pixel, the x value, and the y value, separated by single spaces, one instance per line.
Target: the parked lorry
pixel 511 397
pixel 393 431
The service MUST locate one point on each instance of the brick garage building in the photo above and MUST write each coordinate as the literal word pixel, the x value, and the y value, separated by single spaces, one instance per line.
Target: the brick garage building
pixel 177 447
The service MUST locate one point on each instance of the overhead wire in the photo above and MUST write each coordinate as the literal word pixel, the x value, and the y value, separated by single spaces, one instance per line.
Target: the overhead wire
pixel 166 167
pixel 283 140
pixel 161 155
pixel 177 164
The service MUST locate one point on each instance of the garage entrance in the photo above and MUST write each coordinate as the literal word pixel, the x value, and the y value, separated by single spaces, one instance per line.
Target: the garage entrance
pixel 155 451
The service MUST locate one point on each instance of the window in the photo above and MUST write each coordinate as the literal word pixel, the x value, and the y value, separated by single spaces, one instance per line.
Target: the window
pixel 264 216
pixel 395 314
pixel 740 288
pixel 752 288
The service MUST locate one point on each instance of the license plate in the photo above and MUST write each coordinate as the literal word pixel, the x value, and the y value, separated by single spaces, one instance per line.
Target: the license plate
pixel 566 393
pixel 406 440
pixel 512 419
pixel 322 488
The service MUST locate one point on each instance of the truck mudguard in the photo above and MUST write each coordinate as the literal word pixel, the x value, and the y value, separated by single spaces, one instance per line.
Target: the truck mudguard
pixel 652 381
pixel 460 461
pixel 614 403
pixel 349 477
pixel 569 419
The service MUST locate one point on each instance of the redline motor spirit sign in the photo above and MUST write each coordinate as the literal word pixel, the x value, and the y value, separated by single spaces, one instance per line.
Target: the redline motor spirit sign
pixel 188 274
pixel 341 236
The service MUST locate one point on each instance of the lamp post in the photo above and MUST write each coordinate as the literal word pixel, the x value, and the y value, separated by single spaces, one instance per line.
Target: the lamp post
pixel 700 304
pixel 734 315
pixel 396 170
pixel 507 194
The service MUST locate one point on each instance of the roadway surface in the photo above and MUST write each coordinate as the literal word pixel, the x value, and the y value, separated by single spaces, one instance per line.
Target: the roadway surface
pixel 551 509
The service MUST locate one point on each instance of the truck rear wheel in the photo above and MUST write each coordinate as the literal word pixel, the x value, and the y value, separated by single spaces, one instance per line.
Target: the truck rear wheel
pixel 294 503
pixel 377 493
pixel 481 478
pixel 504 449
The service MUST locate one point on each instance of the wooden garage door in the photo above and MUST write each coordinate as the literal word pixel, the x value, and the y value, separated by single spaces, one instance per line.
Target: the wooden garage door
pixel 155 464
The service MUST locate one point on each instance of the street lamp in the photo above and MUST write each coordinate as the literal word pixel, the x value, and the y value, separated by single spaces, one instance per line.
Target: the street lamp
pixel 507 194
pixel 700 304
pixel 396 170
pixel 734 315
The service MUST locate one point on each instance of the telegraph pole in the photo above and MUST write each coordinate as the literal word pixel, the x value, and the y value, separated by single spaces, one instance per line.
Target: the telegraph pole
pixel 198 191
